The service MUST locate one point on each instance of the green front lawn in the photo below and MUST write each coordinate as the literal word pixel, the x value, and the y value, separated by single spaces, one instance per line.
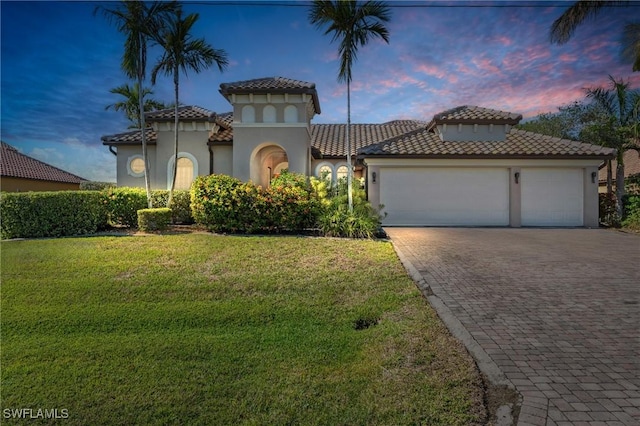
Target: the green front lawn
pixel 205 329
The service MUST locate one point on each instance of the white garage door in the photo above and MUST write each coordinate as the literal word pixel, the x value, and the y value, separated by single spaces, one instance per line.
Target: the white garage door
pixel 552 197
pixel 445 196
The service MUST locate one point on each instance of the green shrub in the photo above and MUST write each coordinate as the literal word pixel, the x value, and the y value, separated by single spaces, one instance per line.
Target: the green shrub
pixel 95 186
pixel 607 210
pixel 123 205
pixel 293 202
pixel 225 204
pixel 180 205
pixel 154 219
pixel 52 214
pixel 632 211
pixel 337 221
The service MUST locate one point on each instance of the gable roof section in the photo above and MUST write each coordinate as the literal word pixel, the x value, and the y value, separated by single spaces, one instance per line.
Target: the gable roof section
pixel 17 165
pixel 519 143
pixel 329 139
pixel 475 115
pixel 271 85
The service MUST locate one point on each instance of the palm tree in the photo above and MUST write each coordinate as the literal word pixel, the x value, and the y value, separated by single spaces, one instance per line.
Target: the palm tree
pixel 616 125
pixel 183 53
pixel 563 28
pixel 138 20
pixel 130 103
pixel 352 24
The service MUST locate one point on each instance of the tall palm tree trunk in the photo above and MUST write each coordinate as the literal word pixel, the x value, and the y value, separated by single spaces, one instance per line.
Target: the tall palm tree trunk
pixel 176 85
pixel 143 134
pixel 349 166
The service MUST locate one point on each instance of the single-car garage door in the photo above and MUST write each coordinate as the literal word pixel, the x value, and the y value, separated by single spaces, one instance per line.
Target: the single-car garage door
pixel 445 196
pixel 552 197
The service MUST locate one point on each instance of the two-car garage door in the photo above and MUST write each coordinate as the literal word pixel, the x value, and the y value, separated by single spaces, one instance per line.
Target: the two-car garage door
pixel 467 196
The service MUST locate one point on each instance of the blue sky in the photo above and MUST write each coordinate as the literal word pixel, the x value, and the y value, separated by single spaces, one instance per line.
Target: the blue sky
pixel 59 60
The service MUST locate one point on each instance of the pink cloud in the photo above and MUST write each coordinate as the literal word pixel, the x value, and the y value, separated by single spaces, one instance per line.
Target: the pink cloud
pixel 567 57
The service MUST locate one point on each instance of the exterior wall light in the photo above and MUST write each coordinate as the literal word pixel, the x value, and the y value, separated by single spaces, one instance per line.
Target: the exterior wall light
pixel 517 177
pixel 373 177
pixel 593 177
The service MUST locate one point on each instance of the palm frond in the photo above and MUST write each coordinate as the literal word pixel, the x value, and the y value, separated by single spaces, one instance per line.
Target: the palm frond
pixel 631 44
pixel 563 28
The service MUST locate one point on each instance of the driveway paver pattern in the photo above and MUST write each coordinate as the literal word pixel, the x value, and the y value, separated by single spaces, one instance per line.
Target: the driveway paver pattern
pixel 555 309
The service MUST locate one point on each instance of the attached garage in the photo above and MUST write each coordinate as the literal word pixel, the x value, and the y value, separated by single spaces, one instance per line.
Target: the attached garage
pixel 446 196
pixel 552 197
pixel 470 167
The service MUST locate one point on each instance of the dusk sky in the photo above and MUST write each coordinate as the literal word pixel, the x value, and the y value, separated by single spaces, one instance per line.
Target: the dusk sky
pixel 59 62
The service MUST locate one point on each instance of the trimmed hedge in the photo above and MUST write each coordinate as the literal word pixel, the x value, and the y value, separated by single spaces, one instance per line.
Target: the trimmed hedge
pixel 52 214
pixel 180 205
pixel 225 204
pixel 123 205
pixel 154 219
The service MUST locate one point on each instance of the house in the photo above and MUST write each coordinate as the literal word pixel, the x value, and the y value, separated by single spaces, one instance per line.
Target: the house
pixel 19 172
pixel 631 169
pixel 468 166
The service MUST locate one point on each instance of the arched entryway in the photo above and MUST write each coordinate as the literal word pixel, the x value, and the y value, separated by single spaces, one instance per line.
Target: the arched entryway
pixel 267 161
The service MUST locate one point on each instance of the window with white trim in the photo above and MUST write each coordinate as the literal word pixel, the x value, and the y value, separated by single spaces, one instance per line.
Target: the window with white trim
pixel 269 114
pixel 184 173
pixel 341 172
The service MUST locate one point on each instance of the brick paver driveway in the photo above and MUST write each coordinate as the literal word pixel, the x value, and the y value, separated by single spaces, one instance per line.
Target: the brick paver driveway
pixel 554 309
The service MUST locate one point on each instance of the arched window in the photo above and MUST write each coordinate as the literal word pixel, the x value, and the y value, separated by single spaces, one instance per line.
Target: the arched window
pixel 325 171
pixel 186 171
pixel 248 114
pixel 269 114
pixel 291 114
pixel 341 172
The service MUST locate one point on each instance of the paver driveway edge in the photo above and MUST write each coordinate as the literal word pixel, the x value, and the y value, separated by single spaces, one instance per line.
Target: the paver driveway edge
pixel 483 360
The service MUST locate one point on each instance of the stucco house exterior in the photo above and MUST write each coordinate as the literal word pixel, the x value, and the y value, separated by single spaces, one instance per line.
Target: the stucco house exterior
pixel 468 166
pixel 21 173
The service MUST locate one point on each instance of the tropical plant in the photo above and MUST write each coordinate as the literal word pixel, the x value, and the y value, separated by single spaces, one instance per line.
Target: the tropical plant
pixel 352 24
pixel 564 27
pixel 614 123
pixel 137 21
pixel 183 53
pixel 130 103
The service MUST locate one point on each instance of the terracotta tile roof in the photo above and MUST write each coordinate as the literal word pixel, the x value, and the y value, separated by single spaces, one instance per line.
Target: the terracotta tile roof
pixel 194 113
pixel 475 114
pixel 519 143
pixel 329 139
pixel 271 85
pixel 224 133
pixel 265 83
pixel 17 165
pixel 130 138
pixel 631 166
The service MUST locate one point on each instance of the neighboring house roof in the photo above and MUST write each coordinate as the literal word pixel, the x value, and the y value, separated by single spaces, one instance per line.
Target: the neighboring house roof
pixel 271 85
pixel 519 143
pixel 631 161
pixel 17 165
pixel 476 115
pixel 193 113
pixel 329 139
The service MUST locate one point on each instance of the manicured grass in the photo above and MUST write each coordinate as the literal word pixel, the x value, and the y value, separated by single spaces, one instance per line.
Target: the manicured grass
pixel 206 329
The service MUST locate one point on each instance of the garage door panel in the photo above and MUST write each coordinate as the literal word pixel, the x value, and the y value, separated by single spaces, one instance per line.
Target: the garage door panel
pixel 552 197
pixel 445 196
